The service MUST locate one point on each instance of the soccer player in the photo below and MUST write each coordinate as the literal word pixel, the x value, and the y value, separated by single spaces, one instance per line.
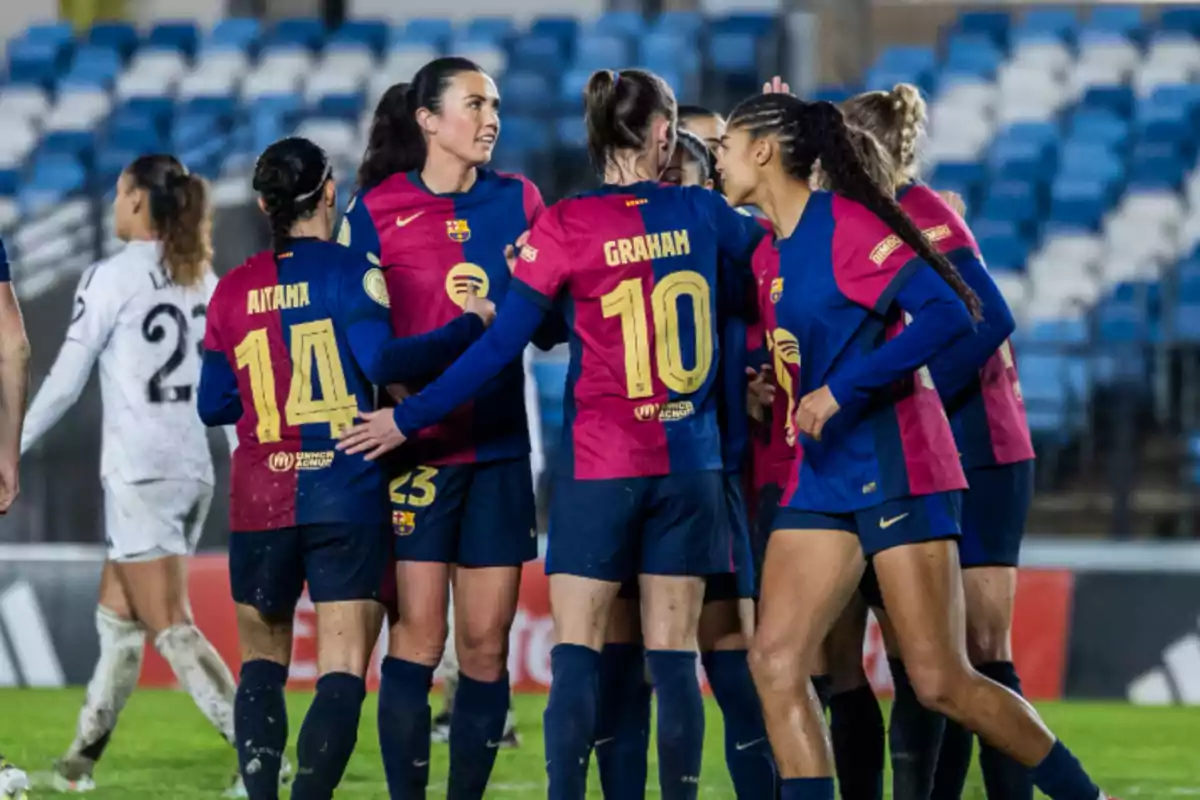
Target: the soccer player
pixel 14 384
pixel 987 415
pixel 295 339
pixel 14 783
pixel 879 474
pixel 141 314
pixel 438 223
pixel 643 493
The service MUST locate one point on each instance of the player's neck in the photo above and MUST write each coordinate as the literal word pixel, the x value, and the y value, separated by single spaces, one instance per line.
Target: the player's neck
pixel 312 228
pixel 783 202
pixel 445 174
pixel 624 170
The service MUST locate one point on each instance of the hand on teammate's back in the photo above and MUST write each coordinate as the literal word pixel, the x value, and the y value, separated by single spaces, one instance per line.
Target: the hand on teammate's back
pixel 815 409
pixel 481 307
pixel 10 479
pixel 511 252
pixel 376 435
pixel 760 391
pixel 955 201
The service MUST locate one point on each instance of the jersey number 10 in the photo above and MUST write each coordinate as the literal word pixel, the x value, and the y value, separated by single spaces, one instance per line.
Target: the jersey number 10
pixel 313 344
pixel 627 302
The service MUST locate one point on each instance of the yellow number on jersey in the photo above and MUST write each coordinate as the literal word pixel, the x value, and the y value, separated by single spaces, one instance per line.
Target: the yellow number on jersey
pixel 422 490
pixel 626 302
pixel 313 343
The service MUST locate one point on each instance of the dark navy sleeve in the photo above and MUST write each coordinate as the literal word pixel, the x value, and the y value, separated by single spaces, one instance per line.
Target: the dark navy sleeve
pixel 217 400
pixel 738 233
pixel 358 231
pixel 500 346
pixel 954 368
pixel 553 331
pixel 939 318
pixel 5 272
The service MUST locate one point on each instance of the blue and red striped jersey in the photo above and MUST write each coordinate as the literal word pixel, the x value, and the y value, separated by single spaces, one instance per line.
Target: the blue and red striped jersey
pixel 433 249
pixel 635 271
pixel 281 323
pixel 839 273
pixel 988 416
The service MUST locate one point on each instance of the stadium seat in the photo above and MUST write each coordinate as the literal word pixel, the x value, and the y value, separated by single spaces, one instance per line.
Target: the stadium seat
pixel 526 93
pixel 307 32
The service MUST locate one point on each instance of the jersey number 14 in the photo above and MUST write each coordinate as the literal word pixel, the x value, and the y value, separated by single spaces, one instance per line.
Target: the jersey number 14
pixel 313 345
pixel 627 301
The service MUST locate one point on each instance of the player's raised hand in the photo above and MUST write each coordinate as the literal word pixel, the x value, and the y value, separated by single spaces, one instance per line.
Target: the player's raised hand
pixel 955 201
pixel 376 435
pixel 815 409
pixel 511 253
pixel 760 391
pixel 480 306
pixel 776 85
pixel 10 480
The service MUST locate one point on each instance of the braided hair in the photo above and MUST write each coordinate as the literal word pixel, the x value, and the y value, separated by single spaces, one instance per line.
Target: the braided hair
pixel 179 214
pixel 808 132
pixel 896 118
pixel 694 151
pixel 289 178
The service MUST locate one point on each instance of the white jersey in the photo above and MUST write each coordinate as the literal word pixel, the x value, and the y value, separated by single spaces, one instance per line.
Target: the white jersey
pixel 147 334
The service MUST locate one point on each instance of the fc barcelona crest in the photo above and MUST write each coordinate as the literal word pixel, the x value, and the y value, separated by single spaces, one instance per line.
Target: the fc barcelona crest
pixel 776 289
pixel 458 230
pixel 404 522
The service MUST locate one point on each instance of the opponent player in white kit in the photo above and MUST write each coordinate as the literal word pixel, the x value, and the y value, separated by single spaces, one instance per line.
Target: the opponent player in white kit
pixel 14 383
pixel 141 314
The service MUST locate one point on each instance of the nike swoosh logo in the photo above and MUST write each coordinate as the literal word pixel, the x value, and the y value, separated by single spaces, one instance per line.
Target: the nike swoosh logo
pixel 884 524
pixel 400 223
pixel 604 741
pixel 492 745
pixel 741 746
pixel 419 764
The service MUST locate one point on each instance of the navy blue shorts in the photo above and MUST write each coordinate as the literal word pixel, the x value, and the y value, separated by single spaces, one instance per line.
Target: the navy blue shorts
pixel 473 515
pixel 993 515
pixel 764 520
pixel 268 569
pixel 616 529
pixel 905 520
pixel 739 584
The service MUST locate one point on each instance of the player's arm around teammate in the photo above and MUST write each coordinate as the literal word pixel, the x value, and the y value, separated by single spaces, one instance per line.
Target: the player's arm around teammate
pixel 814 559
pixel 14 384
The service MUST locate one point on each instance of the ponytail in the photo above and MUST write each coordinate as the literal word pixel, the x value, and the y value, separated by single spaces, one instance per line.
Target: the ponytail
pixel 396 142
pixel 289 178
pixel 179 214
pixel 812 132
pixel 619 108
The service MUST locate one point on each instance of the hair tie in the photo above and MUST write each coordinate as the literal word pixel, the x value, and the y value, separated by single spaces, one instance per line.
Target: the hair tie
pixel 325 176
pixel 616 77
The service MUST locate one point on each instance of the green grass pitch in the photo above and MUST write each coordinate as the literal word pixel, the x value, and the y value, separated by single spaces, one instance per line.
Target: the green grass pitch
pixel 164 748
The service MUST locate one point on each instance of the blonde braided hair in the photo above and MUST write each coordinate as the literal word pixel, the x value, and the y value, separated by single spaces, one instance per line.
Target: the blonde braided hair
pixel 897 119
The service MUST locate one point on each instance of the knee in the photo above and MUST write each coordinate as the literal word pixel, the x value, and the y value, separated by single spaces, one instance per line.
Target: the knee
pixel 939 685
pixel 988 640
pixel 482 651
pixel 774 667
pixel 420 640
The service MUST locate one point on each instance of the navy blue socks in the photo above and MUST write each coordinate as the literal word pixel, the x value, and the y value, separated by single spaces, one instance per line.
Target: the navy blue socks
pixel 915 736
pixel 260 725
pixel 1061 777
pixel 623 721
pixel 747 751
pixel 569 724
pixel 856 728
pixel 806 789
pixel 404 726
pixel 476 728
pixel 328 735
pixel 680 722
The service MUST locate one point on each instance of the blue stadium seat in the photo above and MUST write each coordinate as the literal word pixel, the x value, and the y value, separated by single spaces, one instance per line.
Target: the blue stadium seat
pixel 192 128
pixel 756 24
pixel 36 62
pixel 973 53
pixel 597 51
pixel 371 32
pixel 620 23
pixel 1089 160
pixel 526 93
pixel 570 89
pixel 1078 203
pixel 562 29
pixel 1064 331
pixel 912 58
pixel 49 33
pixel 528 135
pixel 53 178
pixel 348 106
pixel 1063 23
pixel 1099 126
pixel 496 29
pixel 669 51
pixel 302 31
pixel 958 172
pixel 1119 19
pixel 119 36
pixel 539 53
pixel 434 30
pixel 572 132
pixel 1004 253
pixel 882 79
pixel 1041 133
pixel 216 104
pixel 1012 201
pixel 687 23
pixel 1021 159
pixel 175 35
pixel 78 145
pixel 239 33
pixel 1126 316
pixel 835 94
pixel 1159 122
pixel 94 65
pixel 1185 19
pixel 993 24
pixel 734 54
pixel 10 181
pixel 1118 99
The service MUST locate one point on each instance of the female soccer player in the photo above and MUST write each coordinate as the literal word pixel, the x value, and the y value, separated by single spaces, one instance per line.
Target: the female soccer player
pixel 642 492
pixel 438 223
pixel 140 313
pixel 988 418
pixel 878 475
pixel 14 385
pixel 305 327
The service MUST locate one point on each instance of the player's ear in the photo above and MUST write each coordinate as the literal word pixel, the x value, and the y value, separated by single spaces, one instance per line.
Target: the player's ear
pixel 762 150
pixel 262 206
pixel 330 193
pixel 427 121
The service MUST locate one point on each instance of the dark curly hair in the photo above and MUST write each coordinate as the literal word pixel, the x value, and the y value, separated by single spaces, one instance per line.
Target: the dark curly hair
pixel 808 132
pixel 396 143
pixel 289 177
pixel 179 214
